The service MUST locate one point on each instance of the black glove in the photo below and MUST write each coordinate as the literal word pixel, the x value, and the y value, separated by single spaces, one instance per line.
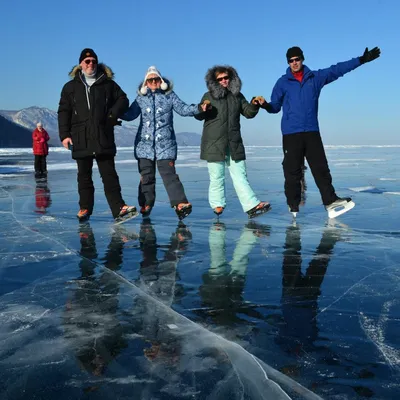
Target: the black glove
pixel 370 55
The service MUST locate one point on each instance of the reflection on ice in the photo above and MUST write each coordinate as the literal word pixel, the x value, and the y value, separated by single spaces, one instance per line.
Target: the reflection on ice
pixel 209 309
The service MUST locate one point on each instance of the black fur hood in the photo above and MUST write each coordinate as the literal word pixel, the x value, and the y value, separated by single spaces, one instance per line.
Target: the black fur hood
pixel 216 90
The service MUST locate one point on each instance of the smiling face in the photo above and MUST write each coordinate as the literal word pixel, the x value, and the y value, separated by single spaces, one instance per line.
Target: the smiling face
pixel 223 79
pixel 89 65
pixel 153 82
pixel 295 63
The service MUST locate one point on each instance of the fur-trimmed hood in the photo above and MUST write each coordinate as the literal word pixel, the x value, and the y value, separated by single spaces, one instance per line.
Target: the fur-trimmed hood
pixel 167 81
pixel 101 68
pixel 216 90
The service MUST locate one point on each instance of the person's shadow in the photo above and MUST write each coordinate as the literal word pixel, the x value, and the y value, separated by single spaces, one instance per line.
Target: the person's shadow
pixel 300 291
pixel 91 321
pixel 223 284
pixel 42 196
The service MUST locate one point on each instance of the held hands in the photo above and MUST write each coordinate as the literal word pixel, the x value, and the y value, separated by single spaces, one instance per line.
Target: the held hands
pixel 258 101
pixel 67 142
pixel 206 105
pixel 370 55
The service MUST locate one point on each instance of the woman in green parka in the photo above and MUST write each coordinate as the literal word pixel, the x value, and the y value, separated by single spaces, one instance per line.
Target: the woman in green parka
pixel 221 142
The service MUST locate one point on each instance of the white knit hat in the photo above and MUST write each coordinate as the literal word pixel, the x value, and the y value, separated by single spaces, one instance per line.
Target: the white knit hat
pixel 152 70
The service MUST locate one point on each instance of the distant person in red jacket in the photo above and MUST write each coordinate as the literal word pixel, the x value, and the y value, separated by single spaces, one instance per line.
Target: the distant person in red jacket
pixel 40 150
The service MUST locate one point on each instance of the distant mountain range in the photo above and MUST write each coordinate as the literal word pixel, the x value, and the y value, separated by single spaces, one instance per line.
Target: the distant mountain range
pixel 15 126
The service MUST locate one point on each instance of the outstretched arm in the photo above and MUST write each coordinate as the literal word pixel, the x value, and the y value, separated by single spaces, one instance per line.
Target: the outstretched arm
pixel 133 112
pixel 183 109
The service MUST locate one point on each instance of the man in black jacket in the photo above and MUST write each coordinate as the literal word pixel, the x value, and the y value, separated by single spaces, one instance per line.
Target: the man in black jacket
pixel 89 107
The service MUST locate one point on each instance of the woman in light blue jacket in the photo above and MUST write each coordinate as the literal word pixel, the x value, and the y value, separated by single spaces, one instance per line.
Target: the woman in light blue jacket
pixel 155 141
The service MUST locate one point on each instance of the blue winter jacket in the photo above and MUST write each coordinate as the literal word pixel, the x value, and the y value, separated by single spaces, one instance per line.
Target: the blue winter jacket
pixel 155 138
pixel 299 100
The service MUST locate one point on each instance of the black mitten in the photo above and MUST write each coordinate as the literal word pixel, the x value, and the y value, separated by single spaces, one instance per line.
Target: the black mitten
pixel 370 55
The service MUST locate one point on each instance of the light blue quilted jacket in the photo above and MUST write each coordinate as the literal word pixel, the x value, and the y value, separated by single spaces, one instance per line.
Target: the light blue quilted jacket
pixel 155 138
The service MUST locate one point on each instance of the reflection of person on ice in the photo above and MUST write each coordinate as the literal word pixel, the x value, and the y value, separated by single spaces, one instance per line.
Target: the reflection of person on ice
pixel 222 143
pixel 297 93
pixel 155 141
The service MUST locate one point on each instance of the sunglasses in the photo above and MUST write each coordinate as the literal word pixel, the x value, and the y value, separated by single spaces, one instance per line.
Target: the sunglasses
pixel 87 62
pixel 292 60
pixel 223 78
pixel 154 80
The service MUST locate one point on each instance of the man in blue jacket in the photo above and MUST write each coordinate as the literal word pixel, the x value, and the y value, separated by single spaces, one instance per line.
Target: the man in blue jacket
pixel 297 93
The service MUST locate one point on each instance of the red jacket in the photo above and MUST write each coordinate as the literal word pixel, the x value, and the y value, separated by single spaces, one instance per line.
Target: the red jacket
pixel 40 139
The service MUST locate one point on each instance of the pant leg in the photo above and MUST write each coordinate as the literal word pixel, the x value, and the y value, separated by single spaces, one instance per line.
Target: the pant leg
pixel 172 183
pixel 316 158
pixel 147 184
pixel 37 163
pixel 112 188
pixel 44 164
pixel 216 190
pixel 85 183
pixel 245 193
pixel 293 161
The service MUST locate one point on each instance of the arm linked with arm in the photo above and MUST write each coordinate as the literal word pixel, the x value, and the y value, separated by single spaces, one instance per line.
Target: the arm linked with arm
pixel 202 115
pixel 183 109
pixel 247 109
pixel 121 103
pixel 133 112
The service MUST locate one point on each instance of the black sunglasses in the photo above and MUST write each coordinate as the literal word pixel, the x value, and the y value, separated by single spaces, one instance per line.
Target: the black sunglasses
pixel 223 78
pixel 292 60
pixel 155 80
pixel 87 62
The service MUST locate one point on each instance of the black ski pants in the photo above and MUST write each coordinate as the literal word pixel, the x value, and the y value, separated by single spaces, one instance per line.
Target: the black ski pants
pixel 296 147
pixel 147 185
pixel 109 176
pixel 40 164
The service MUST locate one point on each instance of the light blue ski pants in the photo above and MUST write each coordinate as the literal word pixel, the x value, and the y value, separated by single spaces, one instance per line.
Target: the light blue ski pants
pixel 237 170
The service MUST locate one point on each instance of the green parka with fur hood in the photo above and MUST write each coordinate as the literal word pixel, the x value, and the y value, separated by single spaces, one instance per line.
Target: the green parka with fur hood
pixel 221 129
pixel 88 115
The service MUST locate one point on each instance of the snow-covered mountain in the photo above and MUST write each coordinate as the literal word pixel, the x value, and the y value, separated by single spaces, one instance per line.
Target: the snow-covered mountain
pixel 124 135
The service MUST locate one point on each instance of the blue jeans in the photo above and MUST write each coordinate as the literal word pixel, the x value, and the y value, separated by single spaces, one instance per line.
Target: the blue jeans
pixel 237 169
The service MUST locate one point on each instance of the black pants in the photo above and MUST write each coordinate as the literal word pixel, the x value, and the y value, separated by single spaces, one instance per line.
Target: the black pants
pixel 309 145
pixel 112 188
pixel 147 185
pixel 40 164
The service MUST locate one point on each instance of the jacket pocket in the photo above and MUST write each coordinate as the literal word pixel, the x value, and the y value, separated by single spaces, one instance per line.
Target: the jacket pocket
pixel 78 136
pixel 106 136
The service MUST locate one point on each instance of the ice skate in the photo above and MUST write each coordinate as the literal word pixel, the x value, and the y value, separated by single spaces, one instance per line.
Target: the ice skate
pixel 183 210
pixel 218 210
pixel 339 207
pixel 259 209
pixel 294 210
pixel 126 213
pixel 145 211
pixel 83 215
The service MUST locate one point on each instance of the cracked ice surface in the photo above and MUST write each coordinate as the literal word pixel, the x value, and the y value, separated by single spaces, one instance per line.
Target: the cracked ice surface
pixel 267 309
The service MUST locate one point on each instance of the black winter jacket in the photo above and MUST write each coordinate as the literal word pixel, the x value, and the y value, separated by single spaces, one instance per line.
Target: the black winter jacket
pixel 88 115
pixel 222 123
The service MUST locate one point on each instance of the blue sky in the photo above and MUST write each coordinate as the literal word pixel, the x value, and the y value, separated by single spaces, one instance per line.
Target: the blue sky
pixel 183 38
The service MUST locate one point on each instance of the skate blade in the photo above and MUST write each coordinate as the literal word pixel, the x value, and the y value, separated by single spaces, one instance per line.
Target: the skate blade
pixel 260 211
pixel 125 218
pixel 341 209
